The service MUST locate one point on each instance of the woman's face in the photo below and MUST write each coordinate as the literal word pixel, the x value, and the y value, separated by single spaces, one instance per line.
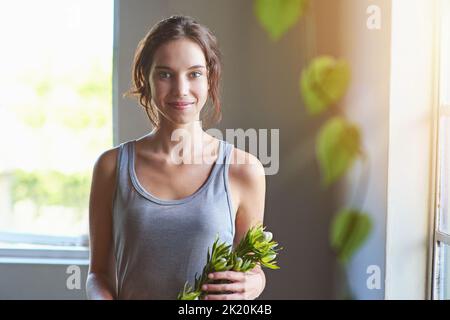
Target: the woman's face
pixel 178 80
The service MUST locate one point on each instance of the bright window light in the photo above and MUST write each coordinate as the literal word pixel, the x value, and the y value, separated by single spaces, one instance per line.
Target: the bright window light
pixel 55 112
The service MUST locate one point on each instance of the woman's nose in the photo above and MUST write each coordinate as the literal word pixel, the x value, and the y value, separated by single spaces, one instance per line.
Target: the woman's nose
pixel 181 86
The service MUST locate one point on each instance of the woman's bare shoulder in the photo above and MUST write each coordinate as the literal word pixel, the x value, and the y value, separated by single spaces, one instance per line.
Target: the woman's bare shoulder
pixel 244 166
pixel 107 161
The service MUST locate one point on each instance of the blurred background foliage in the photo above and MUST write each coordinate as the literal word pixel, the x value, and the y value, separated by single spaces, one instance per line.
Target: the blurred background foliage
pixel 67 107
pixel 55 111
pixel 51 188
pixel 88 106
pixel 322 84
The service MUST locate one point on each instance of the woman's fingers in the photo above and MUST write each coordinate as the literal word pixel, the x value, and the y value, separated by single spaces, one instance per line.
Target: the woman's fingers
pixel 237 287
pixel 228 275
pixel 234 296
pixel 234 287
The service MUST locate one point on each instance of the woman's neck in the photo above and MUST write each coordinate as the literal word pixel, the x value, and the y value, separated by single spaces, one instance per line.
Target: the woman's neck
pixel 190 138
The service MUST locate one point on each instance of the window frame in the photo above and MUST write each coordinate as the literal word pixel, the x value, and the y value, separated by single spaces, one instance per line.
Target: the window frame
pixel 411 198
pixel 443 110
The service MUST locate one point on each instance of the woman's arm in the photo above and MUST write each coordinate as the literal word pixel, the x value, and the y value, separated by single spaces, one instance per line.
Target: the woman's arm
pixel 249 177
pixel 101 280
pixel 98 287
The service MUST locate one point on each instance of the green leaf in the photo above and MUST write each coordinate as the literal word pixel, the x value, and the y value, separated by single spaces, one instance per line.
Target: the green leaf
pixel 323 82
pixel 278 16
pixel 269 257
pixel 187 293
pixel 270 265
pixel 337 146
pixel 349 230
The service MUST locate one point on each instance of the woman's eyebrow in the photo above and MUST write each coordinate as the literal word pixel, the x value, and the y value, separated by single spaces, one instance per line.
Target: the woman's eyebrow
pixel 193 67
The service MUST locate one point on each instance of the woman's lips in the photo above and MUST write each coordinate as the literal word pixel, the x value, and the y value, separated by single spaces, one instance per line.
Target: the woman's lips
pixel 180 105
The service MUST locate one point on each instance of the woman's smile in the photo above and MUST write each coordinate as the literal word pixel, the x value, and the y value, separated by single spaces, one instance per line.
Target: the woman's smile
pixel 180 105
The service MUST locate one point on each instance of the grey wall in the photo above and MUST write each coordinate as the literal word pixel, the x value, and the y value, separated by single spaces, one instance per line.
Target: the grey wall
pixel 342 32
pixel 40 280
pixel 260 90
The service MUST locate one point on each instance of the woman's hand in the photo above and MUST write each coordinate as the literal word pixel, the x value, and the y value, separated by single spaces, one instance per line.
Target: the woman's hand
pixel 245 285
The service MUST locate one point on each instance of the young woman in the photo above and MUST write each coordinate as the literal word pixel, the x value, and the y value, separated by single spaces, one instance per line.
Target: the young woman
pixel 153 219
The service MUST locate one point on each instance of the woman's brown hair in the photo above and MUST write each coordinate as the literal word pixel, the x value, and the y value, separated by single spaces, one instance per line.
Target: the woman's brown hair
pixel 173 28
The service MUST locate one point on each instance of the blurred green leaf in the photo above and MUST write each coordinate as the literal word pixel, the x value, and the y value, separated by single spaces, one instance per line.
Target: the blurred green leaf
pixel 188 293
pixel 278 16
pixel 43 86
pixel 51 188
pixel 337 146
pixel 323 82
pixel 349 230
pixel 33 116
pixel 86 104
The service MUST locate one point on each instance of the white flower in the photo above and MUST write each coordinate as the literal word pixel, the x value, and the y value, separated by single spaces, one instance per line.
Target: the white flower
pixel 267 236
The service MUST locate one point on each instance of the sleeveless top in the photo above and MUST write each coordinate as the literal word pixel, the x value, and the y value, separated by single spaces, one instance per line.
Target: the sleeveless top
pixel 160 244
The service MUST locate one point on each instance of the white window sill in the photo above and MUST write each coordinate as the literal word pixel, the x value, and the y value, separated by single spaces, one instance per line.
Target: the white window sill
pixel 34 254
pixel 43 261
pixel 21 248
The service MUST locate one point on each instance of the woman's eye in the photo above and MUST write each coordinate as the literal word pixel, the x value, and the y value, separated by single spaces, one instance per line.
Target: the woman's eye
pixel 164 75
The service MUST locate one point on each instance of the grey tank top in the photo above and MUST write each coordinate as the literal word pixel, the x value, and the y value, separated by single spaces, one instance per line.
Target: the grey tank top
pixel 160 244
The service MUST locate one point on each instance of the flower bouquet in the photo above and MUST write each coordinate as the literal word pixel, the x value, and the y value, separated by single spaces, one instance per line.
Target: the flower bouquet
pixel 255 248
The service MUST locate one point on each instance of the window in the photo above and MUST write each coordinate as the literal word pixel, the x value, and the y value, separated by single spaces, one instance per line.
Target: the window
pixel 411 197
pixel 55 117
pixel 441 255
